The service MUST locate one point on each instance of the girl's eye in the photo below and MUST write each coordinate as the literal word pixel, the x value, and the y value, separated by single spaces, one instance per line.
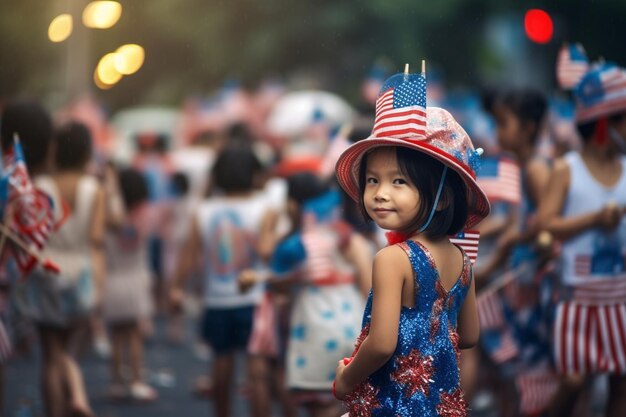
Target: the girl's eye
pixel 399 181
pixel 371 180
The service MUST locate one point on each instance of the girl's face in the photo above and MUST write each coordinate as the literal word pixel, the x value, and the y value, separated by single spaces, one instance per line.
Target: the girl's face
pixel 390 199
pixel 508 128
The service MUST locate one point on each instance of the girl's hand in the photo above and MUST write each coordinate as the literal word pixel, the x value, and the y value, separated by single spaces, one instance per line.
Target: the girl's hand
pixel 340 386
pixel 246 280
pixel 609 217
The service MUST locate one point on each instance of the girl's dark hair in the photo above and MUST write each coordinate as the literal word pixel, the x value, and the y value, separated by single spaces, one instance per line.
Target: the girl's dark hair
pixel 235 168
pixel 32 122
pixel 180 183
pixel 588 129
pixel 425 172
pixel 133 187
pixel 73 146
pixel 303 186
pixel 528 104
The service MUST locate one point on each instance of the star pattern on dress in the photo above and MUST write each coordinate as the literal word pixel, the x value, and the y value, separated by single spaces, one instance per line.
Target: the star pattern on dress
pixel 452 404
pixel 438 305
pixel 362 401
pixel 415 372
pixel 454 338
pixel 364 332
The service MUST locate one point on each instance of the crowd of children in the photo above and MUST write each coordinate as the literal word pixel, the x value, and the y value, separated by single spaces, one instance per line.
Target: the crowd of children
pixel 290 265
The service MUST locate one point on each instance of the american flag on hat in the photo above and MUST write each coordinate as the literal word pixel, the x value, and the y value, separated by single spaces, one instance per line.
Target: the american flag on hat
pixel 571 65
pixel 401 107
pixel 602 92
pixel 500 180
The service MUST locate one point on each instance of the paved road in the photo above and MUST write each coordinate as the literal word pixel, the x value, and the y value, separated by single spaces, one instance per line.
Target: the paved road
pixel 172 369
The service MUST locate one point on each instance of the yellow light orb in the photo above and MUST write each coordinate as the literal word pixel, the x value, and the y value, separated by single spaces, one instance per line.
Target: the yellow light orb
pixel 129 58
pixel 106 71
pixel 102 14
pixel 60 28
pixel 101 85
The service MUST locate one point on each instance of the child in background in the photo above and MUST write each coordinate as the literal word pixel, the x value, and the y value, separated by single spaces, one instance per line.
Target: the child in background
pixel 222 239
pixel 520 346
pixel 127 295
pixel 415 176
pixel 584 207
pixel 328 263
pixel 60 303
pixel 180 207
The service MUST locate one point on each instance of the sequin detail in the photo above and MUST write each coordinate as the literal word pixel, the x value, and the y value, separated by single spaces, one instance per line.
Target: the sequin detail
pixel 422 376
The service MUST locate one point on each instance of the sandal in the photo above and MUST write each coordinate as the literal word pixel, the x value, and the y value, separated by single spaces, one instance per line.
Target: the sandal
pixel 142 392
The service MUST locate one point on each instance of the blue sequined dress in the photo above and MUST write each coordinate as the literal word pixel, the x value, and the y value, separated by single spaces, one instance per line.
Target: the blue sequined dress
pixel 422 377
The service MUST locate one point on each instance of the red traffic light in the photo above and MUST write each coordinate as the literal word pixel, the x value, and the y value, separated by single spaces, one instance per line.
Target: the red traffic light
pixel 538 26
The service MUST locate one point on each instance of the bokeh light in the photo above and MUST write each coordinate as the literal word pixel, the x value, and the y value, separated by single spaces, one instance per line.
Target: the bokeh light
pixel 538 26
pixel 60 28
pixel 102 14
pixel 106 72
pixel 129 58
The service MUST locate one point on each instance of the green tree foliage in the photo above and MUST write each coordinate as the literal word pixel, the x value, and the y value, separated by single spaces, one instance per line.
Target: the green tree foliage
pixel 193 45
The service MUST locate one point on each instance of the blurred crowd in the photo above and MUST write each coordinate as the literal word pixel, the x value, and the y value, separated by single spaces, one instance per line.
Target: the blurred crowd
pixel 230 216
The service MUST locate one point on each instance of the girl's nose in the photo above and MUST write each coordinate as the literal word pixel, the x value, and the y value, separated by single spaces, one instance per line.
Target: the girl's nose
pixel 381 194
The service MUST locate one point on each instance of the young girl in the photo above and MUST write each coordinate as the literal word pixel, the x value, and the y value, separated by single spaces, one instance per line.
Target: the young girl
pixel 63 302
pixel 328 262
pixel 415 176
pixel 584 207
pixel 519 115
pixel 127 297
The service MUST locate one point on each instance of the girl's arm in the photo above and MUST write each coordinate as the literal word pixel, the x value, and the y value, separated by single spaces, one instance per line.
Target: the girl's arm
pixel 552 203
pixel 467 326
pixel 390 266
pixel 96 237
pixel 267 235
pixel 537 178
pixel 115 211
pixel 187 262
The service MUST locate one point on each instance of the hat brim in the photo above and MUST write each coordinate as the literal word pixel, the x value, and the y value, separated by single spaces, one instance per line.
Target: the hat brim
pixel 347 172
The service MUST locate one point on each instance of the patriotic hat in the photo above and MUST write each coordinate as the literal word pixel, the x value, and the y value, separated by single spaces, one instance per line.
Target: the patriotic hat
pixel 599 89
pixel 402 120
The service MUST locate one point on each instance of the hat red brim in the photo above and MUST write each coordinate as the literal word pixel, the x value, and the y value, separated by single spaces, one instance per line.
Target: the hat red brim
pixel 347 172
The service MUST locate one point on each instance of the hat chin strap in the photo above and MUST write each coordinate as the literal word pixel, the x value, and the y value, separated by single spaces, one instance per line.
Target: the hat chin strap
pixel 436 203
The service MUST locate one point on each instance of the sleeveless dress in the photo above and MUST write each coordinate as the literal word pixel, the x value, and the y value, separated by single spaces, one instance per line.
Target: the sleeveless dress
pixel 422 377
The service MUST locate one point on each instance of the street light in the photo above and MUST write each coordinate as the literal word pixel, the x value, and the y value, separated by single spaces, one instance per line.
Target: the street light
pixel 102 14
pixel 60 28
pixel 129 58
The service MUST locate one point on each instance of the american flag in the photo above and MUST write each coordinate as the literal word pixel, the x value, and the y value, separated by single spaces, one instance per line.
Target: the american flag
pixel 401 108
pixel 602 92
pixel 536 389
pixel 571 65
pixel 489 306
pixel 468 241
pixel 499 178
pixel 32 215
pixel 506 349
